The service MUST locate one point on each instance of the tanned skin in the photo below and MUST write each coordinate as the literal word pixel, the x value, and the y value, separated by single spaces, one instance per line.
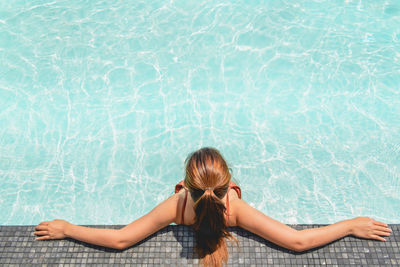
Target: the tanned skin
pixel 241 214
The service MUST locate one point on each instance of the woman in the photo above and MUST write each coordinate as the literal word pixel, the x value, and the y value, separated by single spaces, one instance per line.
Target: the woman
pixel 214 203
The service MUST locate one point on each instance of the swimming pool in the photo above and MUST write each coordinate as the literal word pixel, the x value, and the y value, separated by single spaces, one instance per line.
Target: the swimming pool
pixel 100 103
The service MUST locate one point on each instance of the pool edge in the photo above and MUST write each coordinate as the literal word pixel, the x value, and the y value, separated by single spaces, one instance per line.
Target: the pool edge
pixel 173 245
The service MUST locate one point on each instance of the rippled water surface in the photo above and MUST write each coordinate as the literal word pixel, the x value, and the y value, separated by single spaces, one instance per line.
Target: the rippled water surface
pixel 101 101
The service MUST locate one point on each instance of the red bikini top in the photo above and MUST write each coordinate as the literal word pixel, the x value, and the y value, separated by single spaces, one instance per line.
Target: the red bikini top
pixel 232 185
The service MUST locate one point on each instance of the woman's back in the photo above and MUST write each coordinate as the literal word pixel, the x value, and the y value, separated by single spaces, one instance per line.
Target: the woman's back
pixel 189 215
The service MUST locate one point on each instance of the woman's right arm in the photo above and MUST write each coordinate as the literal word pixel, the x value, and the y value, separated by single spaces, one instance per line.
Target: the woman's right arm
pixel 161 216
pixel 256 222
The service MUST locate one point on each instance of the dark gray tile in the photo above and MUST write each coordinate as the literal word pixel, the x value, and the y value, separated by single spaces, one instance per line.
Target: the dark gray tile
pixel 174 245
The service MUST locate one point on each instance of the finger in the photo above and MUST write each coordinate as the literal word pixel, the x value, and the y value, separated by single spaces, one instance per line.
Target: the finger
pixel 377 237
pixel 41 233
pixel 41 227
pixel 382 233
pixel 44 223
pixel 45 237
pixel 383 229
pixel 380 223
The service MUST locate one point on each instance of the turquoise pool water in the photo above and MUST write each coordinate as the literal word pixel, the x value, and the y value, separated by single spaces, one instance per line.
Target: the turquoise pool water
pixel 101 101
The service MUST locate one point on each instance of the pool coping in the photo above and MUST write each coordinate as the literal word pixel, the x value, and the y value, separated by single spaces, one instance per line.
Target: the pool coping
pixel 173 245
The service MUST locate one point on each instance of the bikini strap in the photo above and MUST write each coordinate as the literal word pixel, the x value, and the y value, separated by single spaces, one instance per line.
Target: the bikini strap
pixel 239 193
pixel 184 206
pixel 227 206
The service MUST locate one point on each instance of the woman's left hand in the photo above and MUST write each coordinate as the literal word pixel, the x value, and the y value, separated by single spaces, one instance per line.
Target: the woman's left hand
pixel 365 227
pixel 51 230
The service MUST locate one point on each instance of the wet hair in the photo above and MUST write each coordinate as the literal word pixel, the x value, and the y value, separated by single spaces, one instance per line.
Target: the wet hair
pixel 207 178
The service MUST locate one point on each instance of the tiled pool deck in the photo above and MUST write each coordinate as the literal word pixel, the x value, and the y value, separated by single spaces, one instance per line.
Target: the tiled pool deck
pixel 173 246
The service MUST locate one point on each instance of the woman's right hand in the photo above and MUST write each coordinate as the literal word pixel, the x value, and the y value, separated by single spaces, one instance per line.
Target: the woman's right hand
pixel 365 227
pixel 51 230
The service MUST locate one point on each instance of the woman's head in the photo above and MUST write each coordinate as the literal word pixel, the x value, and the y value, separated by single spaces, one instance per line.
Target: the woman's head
pixel 206 168
pixel 207 179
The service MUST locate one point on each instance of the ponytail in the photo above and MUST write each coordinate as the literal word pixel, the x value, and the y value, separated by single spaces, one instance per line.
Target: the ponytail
pixel 210 230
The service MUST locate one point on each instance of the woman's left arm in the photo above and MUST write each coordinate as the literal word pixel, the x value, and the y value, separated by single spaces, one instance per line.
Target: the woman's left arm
pixel 256 222
pixel 161 216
